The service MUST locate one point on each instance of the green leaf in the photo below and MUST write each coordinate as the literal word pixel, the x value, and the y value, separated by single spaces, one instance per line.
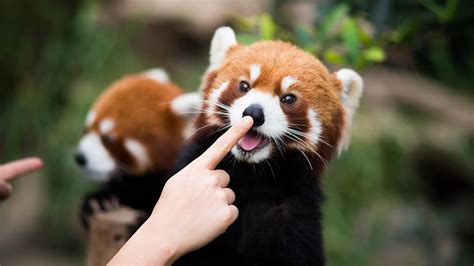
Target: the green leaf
pixel 335 16
pixel 365 38
pixel 304 38
pixel 444 13
pixel 246 24
pixel 247 39
pixel 350 37
pixel 333 57
pixel 374 54
pixel 267 27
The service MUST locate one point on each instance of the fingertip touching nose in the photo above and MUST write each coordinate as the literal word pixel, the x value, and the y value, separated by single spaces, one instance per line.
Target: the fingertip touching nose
pixel 256 112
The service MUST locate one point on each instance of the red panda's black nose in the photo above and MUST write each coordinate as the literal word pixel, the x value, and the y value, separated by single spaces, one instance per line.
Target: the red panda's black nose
pixel 80 159
pixel 256 112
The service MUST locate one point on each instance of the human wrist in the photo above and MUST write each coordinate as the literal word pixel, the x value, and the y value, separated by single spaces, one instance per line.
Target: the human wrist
pixel 164 251
pixel 148 246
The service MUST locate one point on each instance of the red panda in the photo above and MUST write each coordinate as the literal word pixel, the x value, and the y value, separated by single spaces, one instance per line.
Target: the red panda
pixel 302 114
pixel 131 137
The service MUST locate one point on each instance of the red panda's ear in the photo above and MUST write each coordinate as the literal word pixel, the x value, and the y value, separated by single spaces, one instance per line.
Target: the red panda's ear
pixel 187 105
pixel 351 91
pixel 157 74
pixel 223 38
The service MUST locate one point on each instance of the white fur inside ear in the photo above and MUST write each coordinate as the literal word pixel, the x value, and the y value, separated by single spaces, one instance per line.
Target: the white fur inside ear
pixel 157 74
pixel 224 37
pixel 187 105
pixel 90 118
pixel 352 87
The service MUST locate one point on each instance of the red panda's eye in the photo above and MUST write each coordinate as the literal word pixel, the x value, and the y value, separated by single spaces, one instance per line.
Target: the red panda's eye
pixel 107 139
pixel 244 86
pixel 288 99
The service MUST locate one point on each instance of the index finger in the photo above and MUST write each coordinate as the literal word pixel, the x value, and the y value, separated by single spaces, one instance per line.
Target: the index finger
pixel 19 167
pixel 212 156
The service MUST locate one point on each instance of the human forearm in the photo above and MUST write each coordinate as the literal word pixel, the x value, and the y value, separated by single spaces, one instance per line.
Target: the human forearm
pixel 148 246
pixel 194 208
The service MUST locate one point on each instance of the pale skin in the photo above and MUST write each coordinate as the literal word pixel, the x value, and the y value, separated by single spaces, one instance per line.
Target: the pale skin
pixel 14 169
pixel 194 208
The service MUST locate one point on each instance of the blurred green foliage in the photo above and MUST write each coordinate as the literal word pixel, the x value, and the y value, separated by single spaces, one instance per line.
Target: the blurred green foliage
pixel 55 60
pixel 338 37
pixel 56 57
pixel 438 34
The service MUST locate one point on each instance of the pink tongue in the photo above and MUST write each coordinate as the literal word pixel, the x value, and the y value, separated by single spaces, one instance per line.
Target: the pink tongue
pixel 249 142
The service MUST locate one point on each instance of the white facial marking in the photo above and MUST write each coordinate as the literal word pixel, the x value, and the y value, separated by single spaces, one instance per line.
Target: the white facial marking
pixel 254 72
pixel 275 123
pixel 287 81
pixel 106 125
pixel 214 99
pixel 90 118
pixel 99 164
pixel 315 127
pixel 275 120
pixel 138 151
pixel 157 74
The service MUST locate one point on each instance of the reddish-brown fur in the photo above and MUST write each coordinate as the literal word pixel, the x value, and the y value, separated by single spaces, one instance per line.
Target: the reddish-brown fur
pixel 140 109
pixel 315 88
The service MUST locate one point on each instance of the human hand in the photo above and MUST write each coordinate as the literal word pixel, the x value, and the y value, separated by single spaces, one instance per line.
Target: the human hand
pixel 194 207
pixel 14 169
pixel 196 201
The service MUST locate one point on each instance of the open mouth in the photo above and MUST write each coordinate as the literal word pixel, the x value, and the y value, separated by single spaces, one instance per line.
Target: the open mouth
pixel 252 141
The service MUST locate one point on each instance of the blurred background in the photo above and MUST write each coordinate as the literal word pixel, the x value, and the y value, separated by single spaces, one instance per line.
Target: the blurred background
pixel 402 195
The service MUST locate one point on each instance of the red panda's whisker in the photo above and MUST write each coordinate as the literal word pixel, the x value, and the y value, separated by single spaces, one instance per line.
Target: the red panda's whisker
pixel 325 162
pixel 223 106
pixel 297 132
pixel 305 135
pixel 270 166
pixel 277 140
pixel 324 142
pixel 207 112
pixel 204 111
pixel 223 127
pixel 312 150
pixel 302 142
pixel 307 159
pixel 296 125
pixel 298 139
pixel 198 129
pixel 122 167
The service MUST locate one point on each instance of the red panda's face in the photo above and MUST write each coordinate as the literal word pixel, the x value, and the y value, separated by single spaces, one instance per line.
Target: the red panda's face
pixel 132 128
pixel 294 100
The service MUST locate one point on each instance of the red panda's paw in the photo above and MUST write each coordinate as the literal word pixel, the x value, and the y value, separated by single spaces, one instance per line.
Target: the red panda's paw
pixel 95 204
pixel 104 205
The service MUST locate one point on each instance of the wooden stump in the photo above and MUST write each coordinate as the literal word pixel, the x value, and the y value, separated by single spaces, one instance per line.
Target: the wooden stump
pixel 108 232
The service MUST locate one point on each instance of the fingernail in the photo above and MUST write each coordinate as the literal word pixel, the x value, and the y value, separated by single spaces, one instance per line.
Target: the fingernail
pixel 247 121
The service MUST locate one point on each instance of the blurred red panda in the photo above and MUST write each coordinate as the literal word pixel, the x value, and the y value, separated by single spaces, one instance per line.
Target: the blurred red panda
pixel 131 137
